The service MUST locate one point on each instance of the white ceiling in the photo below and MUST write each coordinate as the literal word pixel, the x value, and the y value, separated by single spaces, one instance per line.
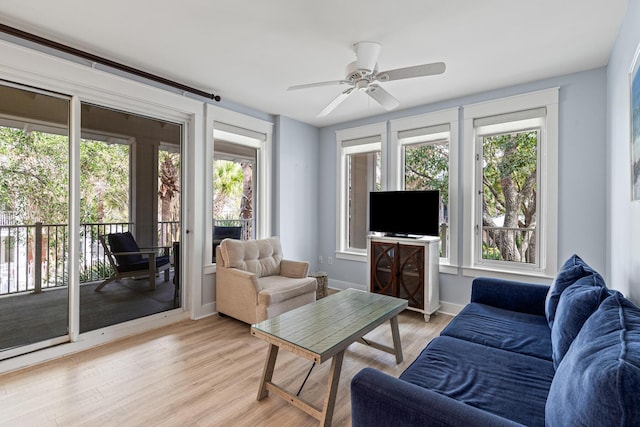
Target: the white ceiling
pixel 250 51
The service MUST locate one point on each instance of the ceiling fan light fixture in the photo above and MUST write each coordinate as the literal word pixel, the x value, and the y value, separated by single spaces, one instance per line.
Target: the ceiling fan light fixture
pixel 367 54
pixel 362 85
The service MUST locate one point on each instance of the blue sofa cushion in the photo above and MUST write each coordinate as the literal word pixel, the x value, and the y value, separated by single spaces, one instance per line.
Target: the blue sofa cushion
pixel 572 270
pixel 504 383
pixel 598 380
pixel 505 329
pixel 577 303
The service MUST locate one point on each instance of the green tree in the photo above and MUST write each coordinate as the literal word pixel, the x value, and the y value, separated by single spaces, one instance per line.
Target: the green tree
pixel 510 183
pixel 34 178
pixel 427 168
pixel 227 185
pixel 104 182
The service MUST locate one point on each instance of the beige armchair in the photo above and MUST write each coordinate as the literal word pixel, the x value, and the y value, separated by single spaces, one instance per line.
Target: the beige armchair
pixel 254 282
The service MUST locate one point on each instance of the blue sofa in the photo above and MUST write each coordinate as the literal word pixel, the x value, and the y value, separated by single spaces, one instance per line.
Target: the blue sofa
pixel 519 354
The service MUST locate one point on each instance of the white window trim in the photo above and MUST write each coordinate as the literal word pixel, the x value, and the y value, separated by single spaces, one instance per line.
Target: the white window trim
pixel 396 182
pixel 215 114
pixel 376 129
pixel 548 200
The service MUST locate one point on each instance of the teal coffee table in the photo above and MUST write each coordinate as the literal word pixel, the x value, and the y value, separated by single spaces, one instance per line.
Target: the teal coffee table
pixel 323 330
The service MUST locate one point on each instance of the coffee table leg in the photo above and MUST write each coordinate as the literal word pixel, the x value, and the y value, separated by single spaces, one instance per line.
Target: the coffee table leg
pixel 395 333
pixel 332 389
pixel 267 374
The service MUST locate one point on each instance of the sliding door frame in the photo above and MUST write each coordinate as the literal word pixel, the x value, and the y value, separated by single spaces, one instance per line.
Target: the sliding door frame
pixel 25 66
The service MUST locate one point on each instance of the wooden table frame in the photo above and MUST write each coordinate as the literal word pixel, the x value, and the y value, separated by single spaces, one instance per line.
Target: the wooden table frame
pixel 335 351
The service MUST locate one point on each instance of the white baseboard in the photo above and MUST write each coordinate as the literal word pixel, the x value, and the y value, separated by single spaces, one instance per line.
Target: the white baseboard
pixel 338 284
pixel 445 307
pixel 450 308
pixel 205 310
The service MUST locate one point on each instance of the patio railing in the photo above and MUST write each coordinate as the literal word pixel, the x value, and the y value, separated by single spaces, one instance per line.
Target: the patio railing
pixel 34 257
pixel 509 244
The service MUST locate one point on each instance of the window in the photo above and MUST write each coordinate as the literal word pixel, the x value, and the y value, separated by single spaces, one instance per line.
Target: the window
pixel 424 151
pixel 513 187
pixel 360 163
pixel 234 167
pixel 239 202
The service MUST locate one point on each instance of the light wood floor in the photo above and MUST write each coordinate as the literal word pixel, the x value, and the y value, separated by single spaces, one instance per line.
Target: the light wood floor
pixel 195 373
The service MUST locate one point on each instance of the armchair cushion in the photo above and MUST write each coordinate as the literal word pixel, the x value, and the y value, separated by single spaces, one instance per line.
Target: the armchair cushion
pixel 261 257
pixel 274 291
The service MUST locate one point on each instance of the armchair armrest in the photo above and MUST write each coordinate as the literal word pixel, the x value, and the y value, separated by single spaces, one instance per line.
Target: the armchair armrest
pixel 239 279
pixel 509 294
pixel 378 399
pixel 294 269
pixel 236 292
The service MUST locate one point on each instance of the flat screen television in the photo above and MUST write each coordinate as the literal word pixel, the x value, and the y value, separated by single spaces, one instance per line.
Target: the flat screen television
pixel 405 213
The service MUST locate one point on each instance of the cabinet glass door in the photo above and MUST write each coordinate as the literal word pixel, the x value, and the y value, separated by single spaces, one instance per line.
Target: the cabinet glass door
pixel 383 268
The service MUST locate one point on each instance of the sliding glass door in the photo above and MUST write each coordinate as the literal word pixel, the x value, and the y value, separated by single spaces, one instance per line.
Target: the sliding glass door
pixel 129 169
pixel 34 219
pixel 129 183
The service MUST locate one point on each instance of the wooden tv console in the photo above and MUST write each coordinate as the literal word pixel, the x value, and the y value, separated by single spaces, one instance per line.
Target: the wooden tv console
pixel 405 268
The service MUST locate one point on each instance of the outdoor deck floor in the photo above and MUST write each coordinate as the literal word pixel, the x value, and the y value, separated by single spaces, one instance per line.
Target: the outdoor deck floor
pixel 28 318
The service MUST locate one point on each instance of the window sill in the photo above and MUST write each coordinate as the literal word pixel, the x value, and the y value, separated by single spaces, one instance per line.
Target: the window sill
pixel 209 269
pixel 352 256
pixel 522 275
pixel 448 269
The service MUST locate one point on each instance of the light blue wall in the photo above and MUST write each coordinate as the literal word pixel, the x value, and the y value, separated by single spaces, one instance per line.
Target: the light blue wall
pixel 623 223
pixel 582 178
pixel 296 167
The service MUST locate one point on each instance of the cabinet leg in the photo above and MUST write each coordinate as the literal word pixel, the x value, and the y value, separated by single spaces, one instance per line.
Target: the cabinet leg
pixel 427 317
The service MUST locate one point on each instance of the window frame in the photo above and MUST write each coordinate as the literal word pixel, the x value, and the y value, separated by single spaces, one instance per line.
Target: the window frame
pixel 396 176
pixel 263 147
pixel 377 131
pixel 547 220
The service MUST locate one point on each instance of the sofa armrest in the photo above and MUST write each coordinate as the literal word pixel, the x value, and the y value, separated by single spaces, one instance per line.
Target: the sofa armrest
pixel 378 399
pixel 294 269
pixel 509 294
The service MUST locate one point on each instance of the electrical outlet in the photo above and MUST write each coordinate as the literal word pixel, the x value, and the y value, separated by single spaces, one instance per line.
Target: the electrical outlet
pixel 330 260
pixel 320 259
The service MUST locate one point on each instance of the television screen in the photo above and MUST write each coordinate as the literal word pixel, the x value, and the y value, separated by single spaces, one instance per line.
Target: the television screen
pixel 405 212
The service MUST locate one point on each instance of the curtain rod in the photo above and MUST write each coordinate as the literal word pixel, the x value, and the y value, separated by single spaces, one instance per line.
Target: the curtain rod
pixel 104 61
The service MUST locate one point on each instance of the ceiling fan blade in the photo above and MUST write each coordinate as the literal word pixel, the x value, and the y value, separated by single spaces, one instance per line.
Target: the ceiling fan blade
pixel 410 72
pixel 367 54
pixel 382 97
pixel 330 83
pixel 336 101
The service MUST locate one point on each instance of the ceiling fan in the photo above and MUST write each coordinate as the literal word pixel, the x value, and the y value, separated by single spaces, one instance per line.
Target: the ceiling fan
pixel 362 74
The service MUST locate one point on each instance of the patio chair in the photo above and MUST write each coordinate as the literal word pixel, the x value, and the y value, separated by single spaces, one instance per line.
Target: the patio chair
pixel 126 259
pixel 221 232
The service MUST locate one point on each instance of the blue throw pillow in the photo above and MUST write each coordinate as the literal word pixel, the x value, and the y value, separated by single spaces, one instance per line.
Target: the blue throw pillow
pixel 598 380
pixel 573 269
pixel 577 303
